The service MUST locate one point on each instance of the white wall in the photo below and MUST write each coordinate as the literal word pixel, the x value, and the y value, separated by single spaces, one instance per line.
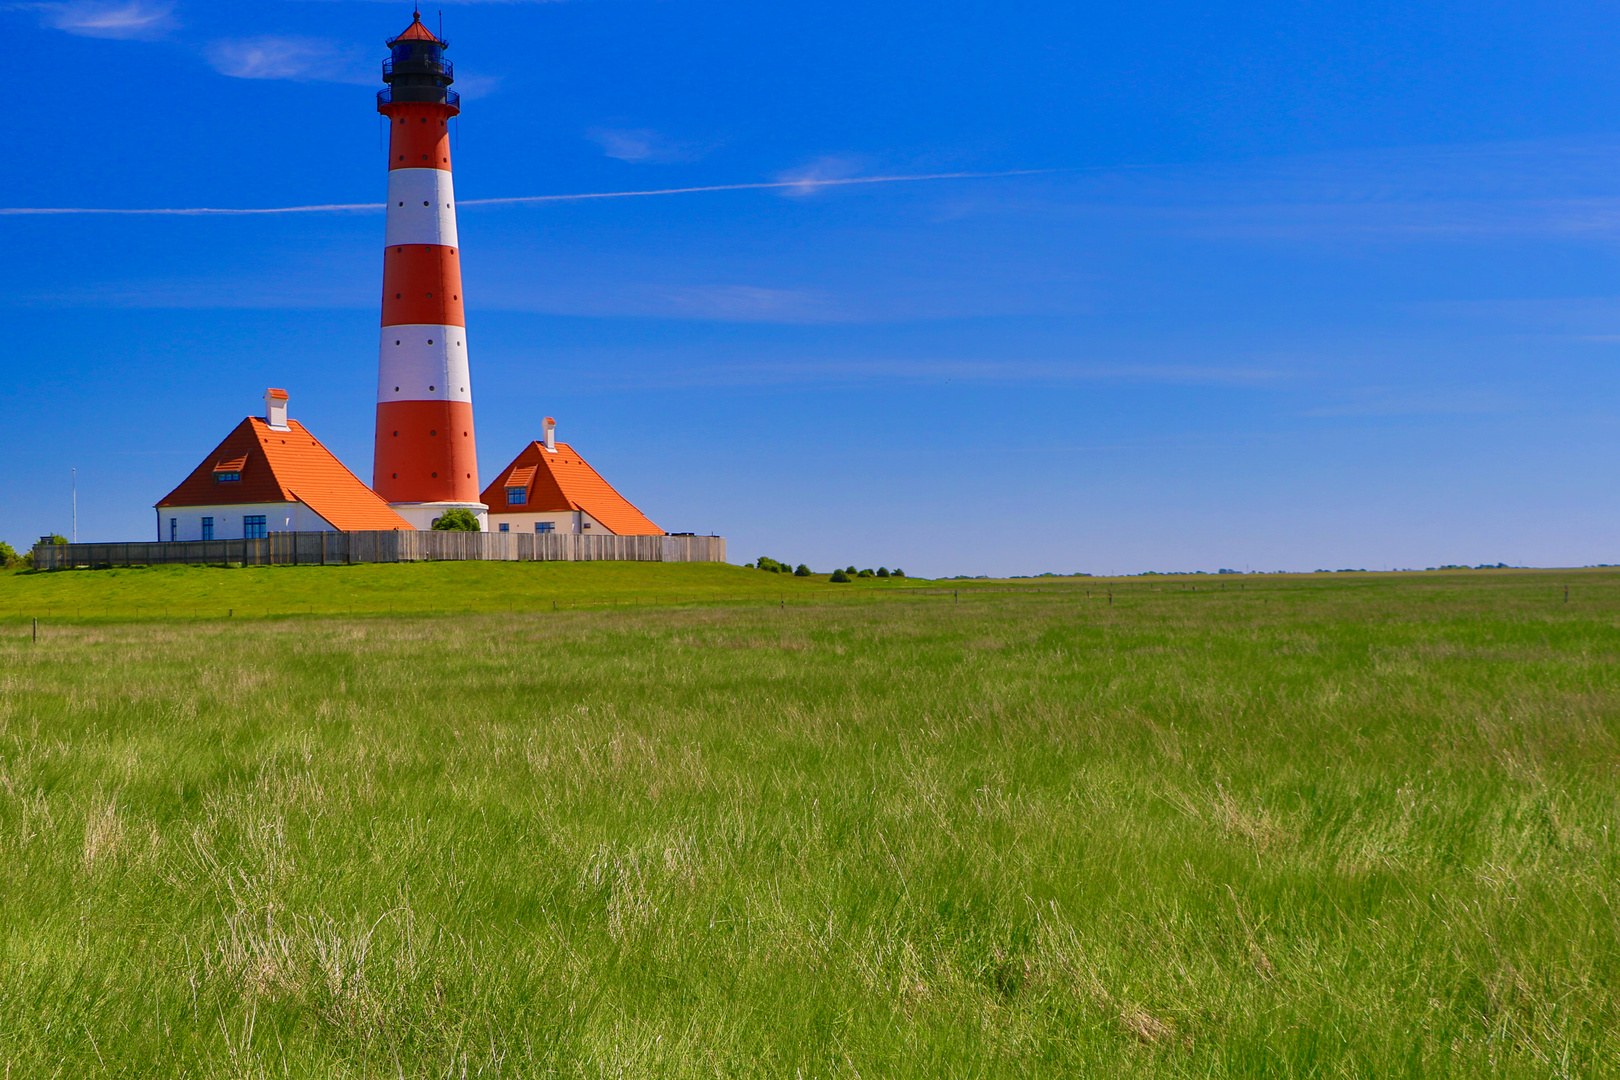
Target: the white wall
pixel 278 517
pixel 561 521
pixel 421 515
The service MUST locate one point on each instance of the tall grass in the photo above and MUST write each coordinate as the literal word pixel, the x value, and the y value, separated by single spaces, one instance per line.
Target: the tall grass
pixel 1336 829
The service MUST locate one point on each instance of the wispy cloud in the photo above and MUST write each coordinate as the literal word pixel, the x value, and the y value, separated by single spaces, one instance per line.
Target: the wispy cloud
pixel 645 145
pixel 300 59
pixel 942 372
pixel 1384 401
pixel 107 18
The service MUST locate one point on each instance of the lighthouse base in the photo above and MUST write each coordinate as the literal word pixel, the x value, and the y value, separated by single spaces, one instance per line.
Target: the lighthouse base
pixel 422 515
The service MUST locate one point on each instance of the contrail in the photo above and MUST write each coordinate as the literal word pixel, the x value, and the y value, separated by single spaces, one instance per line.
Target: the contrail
pixel 327 208
pixel 802 185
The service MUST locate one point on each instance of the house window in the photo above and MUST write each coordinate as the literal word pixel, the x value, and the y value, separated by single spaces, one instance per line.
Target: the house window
pixel 506 526
pixel 208 528
pixel 253 527
pixel 517 496
pixel 174 529
pixel 224 476
pixel 544 526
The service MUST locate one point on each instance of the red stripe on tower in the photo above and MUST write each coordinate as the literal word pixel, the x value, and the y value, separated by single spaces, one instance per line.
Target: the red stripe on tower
pixel 426 460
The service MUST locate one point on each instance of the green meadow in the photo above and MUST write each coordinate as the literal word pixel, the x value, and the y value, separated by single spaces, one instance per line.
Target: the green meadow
pixel 410 821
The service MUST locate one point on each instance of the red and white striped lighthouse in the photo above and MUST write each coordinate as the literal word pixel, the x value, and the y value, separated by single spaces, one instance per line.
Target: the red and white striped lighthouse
pixel 426 461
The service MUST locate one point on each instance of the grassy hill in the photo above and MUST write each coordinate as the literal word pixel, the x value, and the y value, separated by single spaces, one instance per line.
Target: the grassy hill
pixel 1333 825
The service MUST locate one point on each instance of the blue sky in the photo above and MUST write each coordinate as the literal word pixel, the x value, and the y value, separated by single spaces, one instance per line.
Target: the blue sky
pixel 1264 286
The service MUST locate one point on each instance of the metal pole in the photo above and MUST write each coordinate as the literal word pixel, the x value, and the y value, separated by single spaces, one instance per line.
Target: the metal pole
pixel 75 505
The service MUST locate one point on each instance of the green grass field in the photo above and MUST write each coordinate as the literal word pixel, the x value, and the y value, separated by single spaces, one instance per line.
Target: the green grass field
pixel 186 592
pixel 1341 825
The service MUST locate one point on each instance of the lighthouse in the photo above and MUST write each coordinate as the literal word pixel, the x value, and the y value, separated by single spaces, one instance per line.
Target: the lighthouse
pixel 426 462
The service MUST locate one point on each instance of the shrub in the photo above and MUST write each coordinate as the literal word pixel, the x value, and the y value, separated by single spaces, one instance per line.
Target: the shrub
pixel 883 571
pixel 61 541
pixel 457 520
pixel 866 573
pixel 773 566
pixel 802 571
pixel 839 576
pixel 8 556
pixel 850 570
pixel 897 572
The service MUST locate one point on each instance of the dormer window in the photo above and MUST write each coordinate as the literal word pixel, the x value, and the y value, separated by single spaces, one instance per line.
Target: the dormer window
pixel 226 472
pixel 517 496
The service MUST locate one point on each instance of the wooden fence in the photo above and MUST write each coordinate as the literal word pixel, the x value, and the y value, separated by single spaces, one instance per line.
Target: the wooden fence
pixel 335 548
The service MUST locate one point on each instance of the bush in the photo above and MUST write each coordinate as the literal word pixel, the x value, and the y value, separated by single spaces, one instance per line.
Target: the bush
pixel 866 573
pixel 773 566
pixel 839 576
pixel 8 556
pixel 850 570
pixel 883 571
pixel 802 571
pixel 61 541
pixel 457 520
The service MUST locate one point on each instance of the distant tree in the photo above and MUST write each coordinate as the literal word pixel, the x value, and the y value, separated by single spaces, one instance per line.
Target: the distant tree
pixel 897 572
pixel 773 566
pixel 866 573
pixel 802 571
pixel 839 576
pixel 883 571
pixel 850 570
pixel 457 520
pixel 61 541
pixel 8 556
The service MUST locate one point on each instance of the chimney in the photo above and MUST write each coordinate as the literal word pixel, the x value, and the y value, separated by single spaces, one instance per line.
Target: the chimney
pixel 275 409
pixel 551 435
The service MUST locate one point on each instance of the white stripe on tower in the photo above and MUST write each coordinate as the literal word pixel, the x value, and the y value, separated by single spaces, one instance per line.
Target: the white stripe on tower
pixel 421 207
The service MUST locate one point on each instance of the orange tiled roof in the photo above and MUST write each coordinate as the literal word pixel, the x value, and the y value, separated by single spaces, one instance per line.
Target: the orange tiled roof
pixel 565 481
pixel 284 466
pixel 416 31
